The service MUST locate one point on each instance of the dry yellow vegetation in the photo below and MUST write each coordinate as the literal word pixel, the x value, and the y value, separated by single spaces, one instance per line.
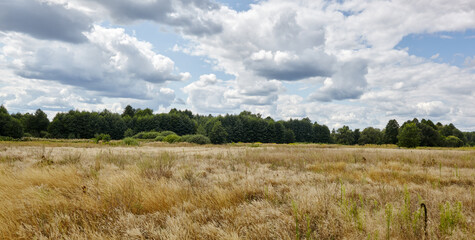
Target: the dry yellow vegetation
pixel 162 191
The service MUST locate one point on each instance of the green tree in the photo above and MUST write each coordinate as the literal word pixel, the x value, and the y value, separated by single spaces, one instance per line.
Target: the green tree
pixel 391 132
pixel 356 136
pixel 145 112
pixel 289 136
pixel 218 134
pixel 345 136
pixel 409 136
pixel 429 136
pixel 371 135
pixel 128 111
pixel 3 110
pixel 201 130
pixel 279 132
pixel 321 133
pixel 9 126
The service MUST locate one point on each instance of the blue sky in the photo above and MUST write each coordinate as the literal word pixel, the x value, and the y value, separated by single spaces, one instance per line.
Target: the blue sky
pixel 358 63
pixel 448 47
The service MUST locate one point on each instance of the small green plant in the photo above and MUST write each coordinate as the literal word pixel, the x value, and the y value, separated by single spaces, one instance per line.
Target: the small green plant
pixel 130 142
pixel 309 230
pixel 389 214
pixel 450 217
pixel 296 217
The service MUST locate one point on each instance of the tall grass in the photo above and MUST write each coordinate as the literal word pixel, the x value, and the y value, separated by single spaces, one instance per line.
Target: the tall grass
pixel 163 191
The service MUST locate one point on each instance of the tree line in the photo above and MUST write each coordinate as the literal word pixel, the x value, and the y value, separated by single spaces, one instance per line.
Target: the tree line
pixel 243 127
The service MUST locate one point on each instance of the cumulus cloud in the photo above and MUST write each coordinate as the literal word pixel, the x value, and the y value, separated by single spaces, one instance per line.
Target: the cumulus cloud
pixel 112 62
pixel 341 50
pixel 44 20
pixel 210 94
pixel 191 16
pixel 348 83
pixel 382 24
pixel 432 109
pixel 284 65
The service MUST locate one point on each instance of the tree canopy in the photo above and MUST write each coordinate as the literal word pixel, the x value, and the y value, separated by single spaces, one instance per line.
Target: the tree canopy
pixel 242 127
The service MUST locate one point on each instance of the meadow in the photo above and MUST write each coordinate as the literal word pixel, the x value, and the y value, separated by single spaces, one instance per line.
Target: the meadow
pixel 79 190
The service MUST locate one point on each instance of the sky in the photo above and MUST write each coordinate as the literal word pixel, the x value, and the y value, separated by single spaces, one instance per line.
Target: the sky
pixel 357 63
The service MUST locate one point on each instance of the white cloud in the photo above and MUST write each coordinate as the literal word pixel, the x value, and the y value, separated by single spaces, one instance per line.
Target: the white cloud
pixel 112 62
pixel 194 17
pixel 470 62
pixel 43 20
pixel 210 94
pixel 432 109
pixel 343 50
pixel 348 83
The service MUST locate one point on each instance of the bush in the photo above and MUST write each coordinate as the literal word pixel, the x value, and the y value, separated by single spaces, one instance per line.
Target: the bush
pixel 129 133
pixel 159 138
pixel 453 141
pixel 105 137
pixel 130 141
pixel 197 138
pixel 173 138
pixel 186 138
pixel 28 135
pixel 152 134
pixel 44 134
pixel 146 135
pixel 3 138
pixel 101 137
pixel 166 133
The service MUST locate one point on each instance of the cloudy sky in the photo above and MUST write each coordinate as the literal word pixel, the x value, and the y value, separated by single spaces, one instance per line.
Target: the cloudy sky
pixel 356 62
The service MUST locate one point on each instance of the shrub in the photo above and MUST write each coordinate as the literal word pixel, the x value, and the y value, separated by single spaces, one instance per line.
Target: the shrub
pixel 129 133
pixel 146 135
pixel 152 134
pixel 28 135
pixel 186 138
pixel 71 136
pixel 159 138
pixel 101 137
pixel 453 141
pixel 198 139
pixel 173 138
pixel 44 134
pixel 166 133
pixel 3 138
pixel 130 141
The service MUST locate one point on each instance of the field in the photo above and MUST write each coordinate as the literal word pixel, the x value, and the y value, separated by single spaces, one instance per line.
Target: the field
pixel 54 190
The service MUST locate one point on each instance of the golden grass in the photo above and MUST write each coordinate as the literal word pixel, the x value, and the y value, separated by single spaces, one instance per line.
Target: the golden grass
pixel 241 191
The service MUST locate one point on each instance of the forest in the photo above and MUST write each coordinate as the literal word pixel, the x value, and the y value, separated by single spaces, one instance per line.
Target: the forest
pixel 244 127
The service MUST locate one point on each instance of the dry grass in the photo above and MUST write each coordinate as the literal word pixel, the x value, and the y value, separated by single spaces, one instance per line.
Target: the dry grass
pixel 161 191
